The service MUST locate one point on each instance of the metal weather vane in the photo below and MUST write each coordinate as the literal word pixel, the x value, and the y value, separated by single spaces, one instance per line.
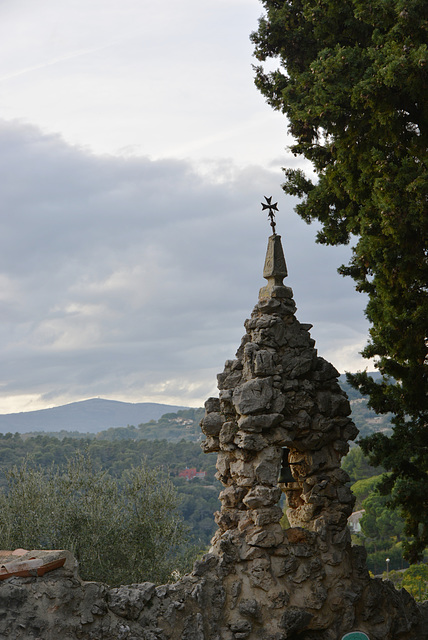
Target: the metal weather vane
pixel 271 208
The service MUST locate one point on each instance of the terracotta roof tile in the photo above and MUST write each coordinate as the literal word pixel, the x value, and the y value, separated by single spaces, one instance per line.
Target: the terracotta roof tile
pixel 34 563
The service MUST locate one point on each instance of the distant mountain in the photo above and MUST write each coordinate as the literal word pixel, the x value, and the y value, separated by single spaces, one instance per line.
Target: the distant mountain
pixel 97 414
pixel 87 416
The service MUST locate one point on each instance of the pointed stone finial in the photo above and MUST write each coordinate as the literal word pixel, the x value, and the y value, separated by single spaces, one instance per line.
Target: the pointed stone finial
pixel 275 270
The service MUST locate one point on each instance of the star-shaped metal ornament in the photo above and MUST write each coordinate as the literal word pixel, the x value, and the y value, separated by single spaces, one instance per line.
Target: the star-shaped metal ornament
pixel 271 208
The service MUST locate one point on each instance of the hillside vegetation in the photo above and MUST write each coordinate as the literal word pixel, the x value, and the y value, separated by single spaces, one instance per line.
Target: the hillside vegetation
pixel 171 444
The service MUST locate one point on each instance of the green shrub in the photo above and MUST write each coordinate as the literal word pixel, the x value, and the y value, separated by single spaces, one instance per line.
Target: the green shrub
pixel 120 530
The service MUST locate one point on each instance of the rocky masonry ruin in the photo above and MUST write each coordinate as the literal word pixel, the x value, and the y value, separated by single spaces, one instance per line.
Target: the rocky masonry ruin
pixel 279 426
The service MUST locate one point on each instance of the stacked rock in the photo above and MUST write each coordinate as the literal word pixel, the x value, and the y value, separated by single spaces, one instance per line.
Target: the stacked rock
pixel 279 403
pixel 281 424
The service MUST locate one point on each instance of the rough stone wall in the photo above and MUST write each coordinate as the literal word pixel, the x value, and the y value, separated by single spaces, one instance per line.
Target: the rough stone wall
pixel 258 581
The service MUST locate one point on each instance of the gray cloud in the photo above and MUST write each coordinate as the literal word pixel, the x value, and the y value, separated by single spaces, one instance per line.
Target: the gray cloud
pixel 131 278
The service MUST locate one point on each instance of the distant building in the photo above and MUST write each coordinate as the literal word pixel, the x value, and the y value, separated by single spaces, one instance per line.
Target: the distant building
pixel 354 521
pixel 189 474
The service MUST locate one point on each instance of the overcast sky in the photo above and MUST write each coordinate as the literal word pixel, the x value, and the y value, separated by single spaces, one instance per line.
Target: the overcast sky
pixel 135 152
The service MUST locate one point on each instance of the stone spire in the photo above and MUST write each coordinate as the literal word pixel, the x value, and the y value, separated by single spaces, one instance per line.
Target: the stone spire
pixel 280 403
pixel 278 393
pixel 275 269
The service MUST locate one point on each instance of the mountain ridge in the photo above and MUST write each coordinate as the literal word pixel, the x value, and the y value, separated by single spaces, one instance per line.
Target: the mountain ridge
pixel 86 416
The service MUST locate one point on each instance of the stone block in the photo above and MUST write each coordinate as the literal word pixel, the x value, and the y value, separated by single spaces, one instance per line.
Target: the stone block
pixel 269 455
pixel 223 463
pixel 302 515
pixel 250 441
pixel 252 553
pixel 228 432
pixel 235 590
pixel 229 381
pixel 212 405
pixel 128 601
pixel 211 424
pixel 268 305
pixel 278 565
pixel 264 364
pixel 301 573
pixel 244 455
pixel 298 535
pixel 250 608
pixel 344 494
pixel 260 422
pixel 323 488
pixel 316 597
pixel 207 563
pixel 227 519
pixel 262 517
pixel 279 599
pixel 340 405
pixel 282 550
pixel 232 496
pixel 324 371
pixel 260 497
pixel 245 521
pixel 193 628
pixel 210 445
pixel 283 436
pixel 350 431
pixel 323 460
pixel 226 402
pixel 267 472
pixel 278 402
pixel 324 402
pixel 341 447
pixel 294 620
pixel 241 628
pixel 242 473
pixel 340 476
pixel 265 321
pixel 303 365
pixel 290 564
pixel 303 420
pixel 253 396
pixel 259 573
pixel 271 337
pixel 267 537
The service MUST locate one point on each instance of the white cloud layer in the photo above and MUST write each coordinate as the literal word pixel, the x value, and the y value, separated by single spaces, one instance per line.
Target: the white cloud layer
pixel 131 278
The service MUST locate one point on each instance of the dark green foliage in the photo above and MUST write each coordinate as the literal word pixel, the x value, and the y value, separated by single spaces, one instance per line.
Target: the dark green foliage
pixel 415 581
pixel 382 528
pixel 353 80
pixel 378 522
pixel 381 532
pixel 121 531
pixel 357 465
pixel 362 489
pixel 116 457
pixel 377 552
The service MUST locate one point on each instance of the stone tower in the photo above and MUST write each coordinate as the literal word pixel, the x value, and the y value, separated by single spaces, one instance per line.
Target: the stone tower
pixel 280 406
